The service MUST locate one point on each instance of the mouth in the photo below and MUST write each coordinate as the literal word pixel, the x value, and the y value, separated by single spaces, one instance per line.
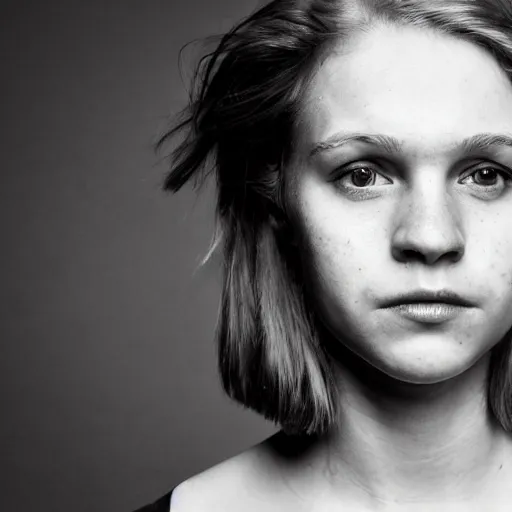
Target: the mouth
pixel 428 312
pixel 428 297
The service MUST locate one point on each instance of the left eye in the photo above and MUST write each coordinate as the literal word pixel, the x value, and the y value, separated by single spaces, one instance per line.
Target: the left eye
pixel 489 173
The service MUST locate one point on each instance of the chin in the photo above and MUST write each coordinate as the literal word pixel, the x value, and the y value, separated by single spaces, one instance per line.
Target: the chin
pixel 421 376
pixel 431 368
pixel 418 358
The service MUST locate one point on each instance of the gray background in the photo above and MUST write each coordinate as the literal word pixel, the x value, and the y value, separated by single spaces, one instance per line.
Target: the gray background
pixel 109 392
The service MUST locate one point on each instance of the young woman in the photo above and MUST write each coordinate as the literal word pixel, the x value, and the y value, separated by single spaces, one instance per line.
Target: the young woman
pixel 363 155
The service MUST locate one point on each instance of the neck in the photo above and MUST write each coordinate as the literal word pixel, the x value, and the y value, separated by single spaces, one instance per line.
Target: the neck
pixel 403 443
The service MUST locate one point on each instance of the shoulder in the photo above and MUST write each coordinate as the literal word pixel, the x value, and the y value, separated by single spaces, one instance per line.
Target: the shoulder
pixel 248 481
pixel 233 481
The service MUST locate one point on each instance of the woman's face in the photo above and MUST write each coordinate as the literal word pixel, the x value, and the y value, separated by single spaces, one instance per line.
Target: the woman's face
pixel 419 210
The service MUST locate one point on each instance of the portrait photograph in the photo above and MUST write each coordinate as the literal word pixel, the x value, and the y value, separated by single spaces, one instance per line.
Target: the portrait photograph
pixel 257 256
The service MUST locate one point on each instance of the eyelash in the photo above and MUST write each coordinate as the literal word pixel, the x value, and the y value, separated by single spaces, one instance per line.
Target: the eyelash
pixel 506 174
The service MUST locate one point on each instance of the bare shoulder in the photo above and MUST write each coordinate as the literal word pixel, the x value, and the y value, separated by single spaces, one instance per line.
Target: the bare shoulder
pixel 247 481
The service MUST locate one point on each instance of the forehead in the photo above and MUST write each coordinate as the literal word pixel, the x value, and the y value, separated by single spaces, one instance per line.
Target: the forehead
pixel 425 88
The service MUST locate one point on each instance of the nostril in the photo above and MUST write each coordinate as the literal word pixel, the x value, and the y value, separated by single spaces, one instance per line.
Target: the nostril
pixel 410 254
pixel 430 257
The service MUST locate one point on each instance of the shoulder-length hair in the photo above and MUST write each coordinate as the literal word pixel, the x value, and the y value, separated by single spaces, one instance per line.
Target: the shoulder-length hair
pixel 243 110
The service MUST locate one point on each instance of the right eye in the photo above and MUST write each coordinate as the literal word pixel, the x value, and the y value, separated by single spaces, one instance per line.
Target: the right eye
pixel 360 176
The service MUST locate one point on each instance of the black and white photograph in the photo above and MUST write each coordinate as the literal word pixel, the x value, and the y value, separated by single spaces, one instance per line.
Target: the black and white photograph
pixel 257 256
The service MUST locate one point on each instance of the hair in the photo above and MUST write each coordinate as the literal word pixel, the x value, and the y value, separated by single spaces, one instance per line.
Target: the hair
pixel 244 108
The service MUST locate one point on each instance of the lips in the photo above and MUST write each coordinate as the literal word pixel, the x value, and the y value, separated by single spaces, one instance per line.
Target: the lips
pixel 429 296
pixel 428 312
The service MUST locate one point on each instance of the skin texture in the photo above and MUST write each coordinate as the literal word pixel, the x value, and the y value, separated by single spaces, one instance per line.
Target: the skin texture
pixel 400 232
pixel 413 398
pixel 414 432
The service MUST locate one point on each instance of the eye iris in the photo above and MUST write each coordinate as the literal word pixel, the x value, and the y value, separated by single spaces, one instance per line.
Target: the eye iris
pixel 364 173
pixel 488 174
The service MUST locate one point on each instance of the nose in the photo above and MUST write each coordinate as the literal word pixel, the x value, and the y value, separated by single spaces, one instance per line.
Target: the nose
pixel 428 227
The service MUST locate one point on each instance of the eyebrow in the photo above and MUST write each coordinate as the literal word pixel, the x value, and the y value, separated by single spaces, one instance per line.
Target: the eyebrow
pixel 478 142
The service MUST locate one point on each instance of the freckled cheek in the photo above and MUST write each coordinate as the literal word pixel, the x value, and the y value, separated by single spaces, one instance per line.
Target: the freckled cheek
pixel 340 251
pixel 336 267
pixel 485 272
pixel 501 279
pixel 337 283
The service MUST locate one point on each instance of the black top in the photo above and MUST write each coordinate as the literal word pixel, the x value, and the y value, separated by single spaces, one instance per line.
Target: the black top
pixel 160 505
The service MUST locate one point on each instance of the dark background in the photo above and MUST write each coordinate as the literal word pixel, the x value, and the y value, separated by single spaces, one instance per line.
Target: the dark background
pixel 109 393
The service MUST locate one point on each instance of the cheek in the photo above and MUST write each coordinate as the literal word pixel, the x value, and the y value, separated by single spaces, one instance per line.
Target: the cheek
pixel 338 264
pixel 490 252
pixel 340 244
pixel 340 279
pixel 499 282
